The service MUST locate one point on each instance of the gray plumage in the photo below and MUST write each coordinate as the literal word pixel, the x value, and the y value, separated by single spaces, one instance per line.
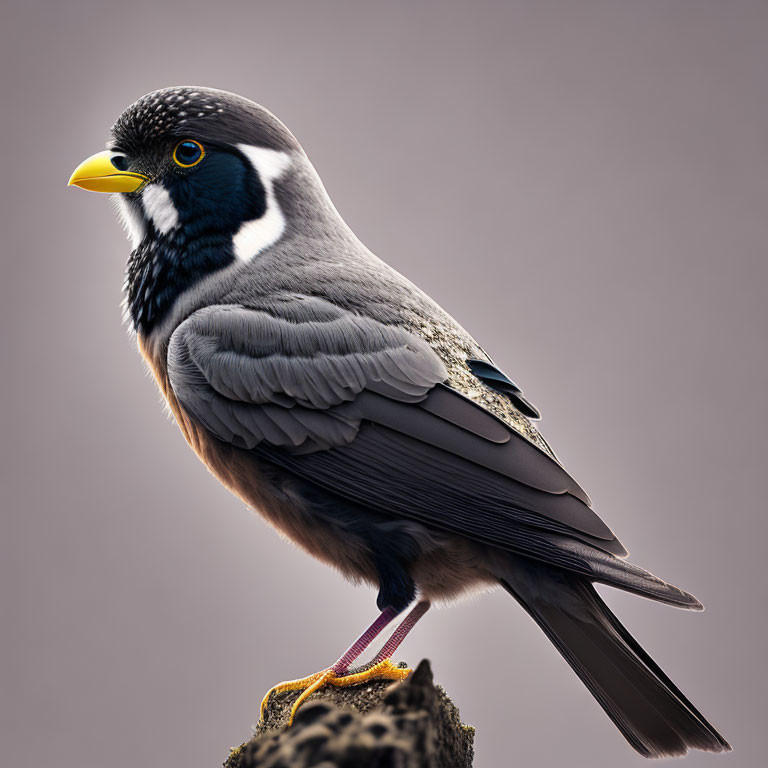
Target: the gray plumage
pixel 357 416
pixel 285 372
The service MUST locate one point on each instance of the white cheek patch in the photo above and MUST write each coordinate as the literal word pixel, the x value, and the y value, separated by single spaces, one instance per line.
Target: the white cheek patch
pixel 254 236
pixel 131 220
pixel 160 208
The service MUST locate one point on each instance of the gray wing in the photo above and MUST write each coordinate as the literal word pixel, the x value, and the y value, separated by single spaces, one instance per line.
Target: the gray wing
pixel 288 374
pixel 359 408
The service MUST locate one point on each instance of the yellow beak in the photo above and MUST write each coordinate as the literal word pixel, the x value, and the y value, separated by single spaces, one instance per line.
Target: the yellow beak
pixel 98 174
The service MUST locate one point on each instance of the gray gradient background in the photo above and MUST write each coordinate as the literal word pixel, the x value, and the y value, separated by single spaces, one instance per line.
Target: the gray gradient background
pixel 582 184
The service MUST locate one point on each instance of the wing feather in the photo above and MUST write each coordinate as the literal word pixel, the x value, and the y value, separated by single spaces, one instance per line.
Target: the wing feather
pixel 360 408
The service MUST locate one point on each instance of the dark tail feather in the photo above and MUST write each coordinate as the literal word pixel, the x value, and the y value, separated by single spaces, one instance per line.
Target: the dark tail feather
pixel 647 707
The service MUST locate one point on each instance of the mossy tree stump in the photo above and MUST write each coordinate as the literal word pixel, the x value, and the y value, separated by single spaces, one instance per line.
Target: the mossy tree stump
pixel 410 724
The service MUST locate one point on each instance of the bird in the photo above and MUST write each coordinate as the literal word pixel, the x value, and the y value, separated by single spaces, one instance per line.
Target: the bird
pixel 352 412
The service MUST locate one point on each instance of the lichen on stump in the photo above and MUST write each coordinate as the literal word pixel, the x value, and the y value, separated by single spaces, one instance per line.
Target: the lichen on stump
pixel 410 724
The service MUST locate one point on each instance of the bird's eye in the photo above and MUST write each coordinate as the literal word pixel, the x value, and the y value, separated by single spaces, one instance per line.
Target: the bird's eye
pixel 120 162
pixel 188 153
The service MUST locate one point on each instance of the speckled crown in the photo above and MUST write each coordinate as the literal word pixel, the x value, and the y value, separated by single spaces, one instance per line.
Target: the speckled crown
pixel 199 112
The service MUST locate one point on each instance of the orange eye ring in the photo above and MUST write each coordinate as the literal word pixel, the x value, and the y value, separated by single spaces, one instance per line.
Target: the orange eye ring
pixel 191 153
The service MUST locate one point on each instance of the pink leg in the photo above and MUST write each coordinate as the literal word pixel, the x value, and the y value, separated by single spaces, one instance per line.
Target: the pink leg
pixel 402 630
pixel 362 642
pixel 339 674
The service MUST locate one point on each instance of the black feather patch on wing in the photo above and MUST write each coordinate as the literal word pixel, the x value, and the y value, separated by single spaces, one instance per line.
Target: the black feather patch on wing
pixel 489 374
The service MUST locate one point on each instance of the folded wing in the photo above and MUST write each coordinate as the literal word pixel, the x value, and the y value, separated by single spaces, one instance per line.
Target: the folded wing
pixel 359 408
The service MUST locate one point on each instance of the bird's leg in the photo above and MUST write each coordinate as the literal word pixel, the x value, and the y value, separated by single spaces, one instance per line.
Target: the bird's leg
pixel 381 666
pixel 405 626
pixel 339 675
pixel 313 682
pixel 353 652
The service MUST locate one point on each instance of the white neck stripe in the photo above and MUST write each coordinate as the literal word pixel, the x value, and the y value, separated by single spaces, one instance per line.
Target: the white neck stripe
pixel 160 208
pixel 255 236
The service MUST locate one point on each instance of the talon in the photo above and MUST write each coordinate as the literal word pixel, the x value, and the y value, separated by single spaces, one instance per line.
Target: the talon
pixel 385 669
pixel 289 685
pixel 325 678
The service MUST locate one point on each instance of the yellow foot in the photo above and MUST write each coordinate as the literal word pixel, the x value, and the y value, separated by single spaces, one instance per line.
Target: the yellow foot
pixel 382 670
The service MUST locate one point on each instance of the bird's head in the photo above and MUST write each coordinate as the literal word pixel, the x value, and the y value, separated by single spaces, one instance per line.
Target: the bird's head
pixel 203 179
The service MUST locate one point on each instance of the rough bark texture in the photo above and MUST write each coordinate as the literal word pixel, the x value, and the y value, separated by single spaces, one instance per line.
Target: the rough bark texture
pixel 411 724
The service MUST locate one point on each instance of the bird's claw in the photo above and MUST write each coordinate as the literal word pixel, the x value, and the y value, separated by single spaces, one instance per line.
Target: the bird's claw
pixel 385 669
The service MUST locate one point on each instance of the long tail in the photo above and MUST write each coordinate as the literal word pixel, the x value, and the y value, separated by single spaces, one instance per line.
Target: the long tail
pixel 646 706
